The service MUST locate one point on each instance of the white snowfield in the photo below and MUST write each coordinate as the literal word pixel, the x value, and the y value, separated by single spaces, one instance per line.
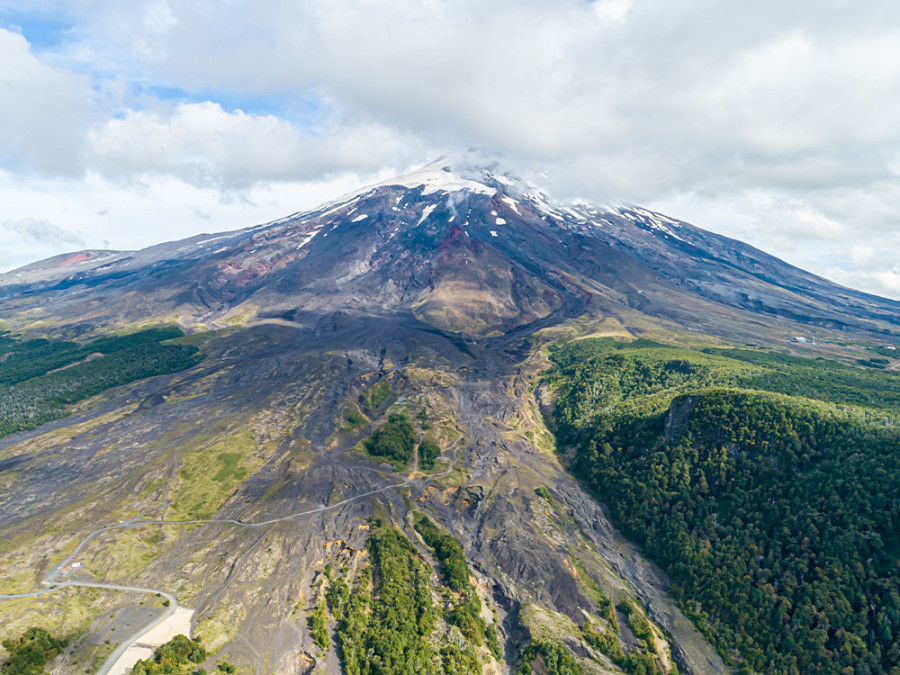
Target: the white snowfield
pixel 436 179
pixel 456 173
pixel 177 624
pixel 511 203
pixel 425 213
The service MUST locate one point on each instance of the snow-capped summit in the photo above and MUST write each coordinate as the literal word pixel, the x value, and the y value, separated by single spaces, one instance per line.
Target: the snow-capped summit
pixel 449 173
pixel 463 245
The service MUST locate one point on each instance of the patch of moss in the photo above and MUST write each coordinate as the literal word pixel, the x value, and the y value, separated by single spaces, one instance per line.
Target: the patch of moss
pixel 543 493
pixel 378 394
pixel 207 477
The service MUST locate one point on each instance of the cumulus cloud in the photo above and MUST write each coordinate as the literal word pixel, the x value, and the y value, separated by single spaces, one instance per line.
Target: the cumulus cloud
pixel 43 110
pixel 203 144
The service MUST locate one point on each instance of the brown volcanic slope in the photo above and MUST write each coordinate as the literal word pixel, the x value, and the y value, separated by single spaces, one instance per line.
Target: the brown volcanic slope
pixel 441 286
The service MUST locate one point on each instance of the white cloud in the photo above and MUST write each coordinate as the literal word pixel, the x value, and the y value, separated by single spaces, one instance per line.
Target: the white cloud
pixel 94 212
pixel 22 238
pixel 43 110
pixel 878 275
pixel 45 232
pixel 613 10
pixel 203 144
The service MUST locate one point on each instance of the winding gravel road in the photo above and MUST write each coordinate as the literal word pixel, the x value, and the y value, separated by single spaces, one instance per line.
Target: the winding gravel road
pixel 55 583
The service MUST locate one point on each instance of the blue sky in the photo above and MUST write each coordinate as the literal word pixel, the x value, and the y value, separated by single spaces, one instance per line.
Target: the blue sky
pixel 43 31
pixel 130 123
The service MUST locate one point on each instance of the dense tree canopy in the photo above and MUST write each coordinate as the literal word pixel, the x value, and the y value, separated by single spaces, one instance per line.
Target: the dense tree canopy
pixel 394 440
pixel 39 378
pixel 465 612
pixel 28 654
pixel 179 656
pixel 389 623
pixel 387 631
pixel 768 487
pixel 428 452
pixel 549 658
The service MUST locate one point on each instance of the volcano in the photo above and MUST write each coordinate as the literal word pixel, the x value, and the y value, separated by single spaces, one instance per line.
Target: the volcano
pixel 247 484
pixel 468 251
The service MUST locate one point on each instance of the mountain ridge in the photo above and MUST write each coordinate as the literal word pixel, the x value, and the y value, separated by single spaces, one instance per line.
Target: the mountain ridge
pixel 503 216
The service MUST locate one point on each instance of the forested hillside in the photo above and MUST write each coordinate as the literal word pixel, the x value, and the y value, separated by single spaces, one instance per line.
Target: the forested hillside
pixel 39 378
pixel 767 486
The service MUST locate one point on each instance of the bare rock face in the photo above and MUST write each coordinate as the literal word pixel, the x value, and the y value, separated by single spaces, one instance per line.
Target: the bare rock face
pixel 295 663
pixel 473 290
pixel 430 294
pixel 678 416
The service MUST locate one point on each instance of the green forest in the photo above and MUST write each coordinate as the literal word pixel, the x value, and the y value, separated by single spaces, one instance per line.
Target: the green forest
pixel 767 486
pixel 179 656
pixel 465 605
pixel 40 378
pixel 386 619
pixel 386 631
pixel 396 441
pixel 31 652
pixel 556 659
